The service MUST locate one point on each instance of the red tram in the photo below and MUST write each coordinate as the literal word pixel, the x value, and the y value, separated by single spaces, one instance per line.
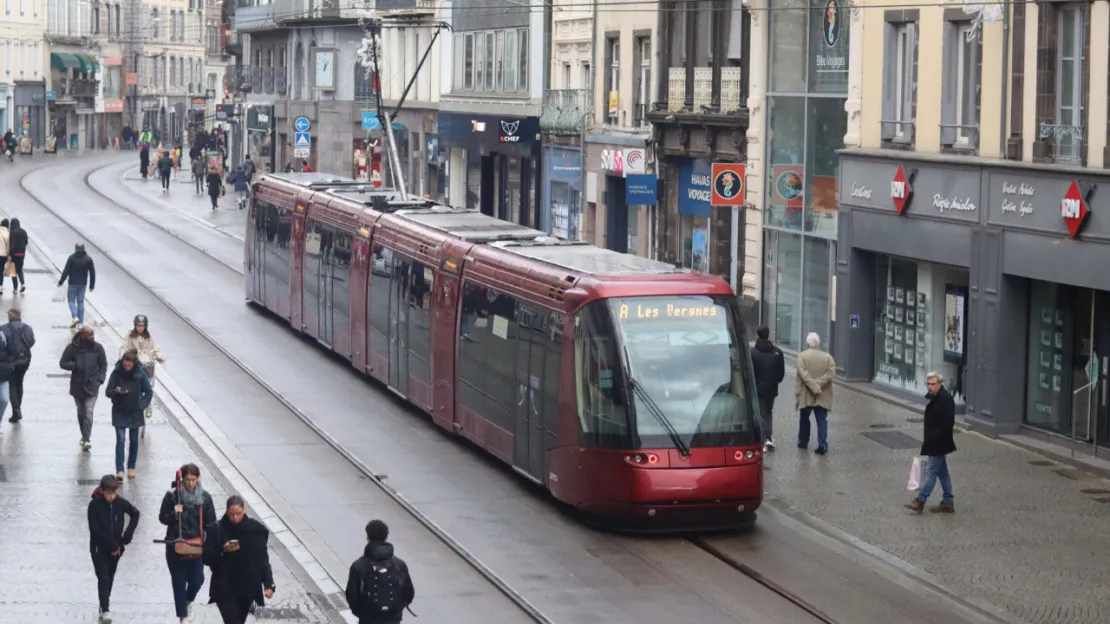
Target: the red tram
pixel 620 384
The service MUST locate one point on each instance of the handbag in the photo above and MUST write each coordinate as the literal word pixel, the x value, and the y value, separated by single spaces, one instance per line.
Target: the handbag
pixel 191 548
pixel 917 472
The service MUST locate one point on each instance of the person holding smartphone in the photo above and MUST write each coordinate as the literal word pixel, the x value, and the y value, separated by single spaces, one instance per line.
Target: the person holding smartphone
pixel 130 392
pixel 236 549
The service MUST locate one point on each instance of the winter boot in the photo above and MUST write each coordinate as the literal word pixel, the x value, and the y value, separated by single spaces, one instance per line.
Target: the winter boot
pixel 915 506
pixel 944 508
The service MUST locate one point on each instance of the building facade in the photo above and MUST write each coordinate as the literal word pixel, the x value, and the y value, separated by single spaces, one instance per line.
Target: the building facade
pixel 701 118
pixel 170 61
pixel 973 220
pixel 488 127
pixel 23 58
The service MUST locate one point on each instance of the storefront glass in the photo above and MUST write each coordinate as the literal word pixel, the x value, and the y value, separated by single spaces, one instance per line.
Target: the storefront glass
pixel 921 327
pixel 694 232
pixel 1055 360
pixel 782 286
pixel 806 124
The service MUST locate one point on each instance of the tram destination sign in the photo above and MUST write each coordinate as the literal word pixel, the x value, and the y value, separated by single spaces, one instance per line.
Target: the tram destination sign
pixel 648 312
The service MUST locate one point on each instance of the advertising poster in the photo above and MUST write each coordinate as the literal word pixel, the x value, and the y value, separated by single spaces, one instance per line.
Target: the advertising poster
pixel 699 250
pixel 51 146
pixel 788 187
pixel 955 323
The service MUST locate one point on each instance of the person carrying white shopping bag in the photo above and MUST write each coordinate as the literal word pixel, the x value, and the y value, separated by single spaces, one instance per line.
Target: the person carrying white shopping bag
pixel 917 471
pixel 940 420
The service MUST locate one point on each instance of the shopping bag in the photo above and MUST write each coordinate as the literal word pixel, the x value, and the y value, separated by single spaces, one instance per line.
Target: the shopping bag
pixel 917 473
pixel 59 295
pixel 9 269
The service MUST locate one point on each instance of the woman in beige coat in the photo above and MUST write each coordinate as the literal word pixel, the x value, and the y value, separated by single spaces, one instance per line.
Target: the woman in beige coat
pixel 140 340
pixel 813 392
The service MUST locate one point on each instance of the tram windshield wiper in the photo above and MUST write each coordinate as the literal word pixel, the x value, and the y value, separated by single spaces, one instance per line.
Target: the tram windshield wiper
pixel 653 407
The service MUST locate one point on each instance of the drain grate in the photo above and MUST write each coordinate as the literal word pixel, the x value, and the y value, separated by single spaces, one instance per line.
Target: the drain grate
pixel 88 482
pixel 1095 491
pixel 1042 462
pixel 893 439
pixel 37 271
pixel 58 375
pixel 915 420
pixel 338 599
pixel 279 613
pixel 1075 475
pixel 881 426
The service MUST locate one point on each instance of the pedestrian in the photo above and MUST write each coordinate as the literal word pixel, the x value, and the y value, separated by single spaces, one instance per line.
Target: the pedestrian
pixel 144 157
pixel 80 270
pixel 85 360
pixel 198 173
pixel 5 237
pixel 7 358
pixel 140 339
pixel 813 392
pixel 165 167
pixel 20 338
pixel 17 248
pixel 215 186
pixel 186 510
pixel 129 390
pixel 770 369
pixel 940 421
pixel 236 549
pixel 379 587
pixel 107 536
pixel 305 168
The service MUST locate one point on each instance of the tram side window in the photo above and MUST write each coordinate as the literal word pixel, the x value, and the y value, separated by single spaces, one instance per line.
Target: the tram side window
pixel 600 385
pixel 310 276
pixel 551 380
pixel 282 228
pixel 420 310
pixel 340 259
pixel 487 366
pixel 381 270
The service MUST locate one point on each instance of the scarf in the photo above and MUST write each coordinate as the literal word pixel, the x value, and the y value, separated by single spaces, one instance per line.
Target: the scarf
pixel 192 499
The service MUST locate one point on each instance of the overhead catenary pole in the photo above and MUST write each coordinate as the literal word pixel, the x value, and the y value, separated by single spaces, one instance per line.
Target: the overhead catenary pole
pixel 383 117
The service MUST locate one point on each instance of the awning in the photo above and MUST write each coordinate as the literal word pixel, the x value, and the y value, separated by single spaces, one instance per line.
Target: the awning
pixel 64 60
pixel 88 63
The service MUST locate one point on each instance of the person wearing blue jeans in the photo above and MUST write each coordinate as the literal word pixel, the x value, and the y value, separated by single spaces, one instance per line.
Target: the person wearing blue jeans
pixel 813 392
pixel 81 273
pixel 130 392
pixel 186 511
pixel 939 442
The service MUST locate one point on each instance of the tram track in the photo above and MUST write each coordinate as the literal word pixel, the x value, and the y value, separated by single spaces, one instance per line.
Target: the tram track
pixel 701 545
pixel 496 581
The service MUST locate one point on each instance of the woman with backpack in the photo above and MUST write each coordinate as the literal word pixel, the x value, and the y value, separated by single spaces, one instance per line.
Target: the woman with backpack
pixel 186 511
pixel 236 550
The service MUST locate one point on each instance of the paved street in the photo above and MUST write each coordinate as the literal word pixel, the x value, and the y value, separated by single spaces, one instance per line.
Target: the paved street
pixel 1025 537
pixel 47 576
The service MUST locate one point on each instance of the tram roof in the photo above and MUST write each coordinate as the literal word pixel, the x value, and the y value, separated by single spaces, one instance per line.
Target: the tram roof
pixel 592 260
pixel 313 179
pixel 470 225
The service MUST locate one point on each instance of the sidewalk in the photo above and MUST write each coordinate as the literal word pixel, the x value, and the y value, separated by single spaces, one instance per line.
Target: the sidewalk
pixel 46 480
pixel 1029 536
pixel 184 198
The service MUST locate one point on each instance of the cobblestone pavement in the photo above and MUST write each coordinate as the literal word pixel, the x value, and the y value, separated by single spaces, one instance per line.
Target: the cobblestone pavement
pixel 1029 536
pixel 46 481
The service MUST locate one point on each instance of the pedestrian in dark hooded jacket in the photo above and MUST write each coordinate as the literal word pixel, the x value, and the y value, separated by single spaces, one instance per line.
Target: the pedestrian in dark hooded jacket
pixel 9 144
pixel 379 587
pixel 7 360
pixel 165 168
pixel 20 338
pixel 198 173
pixel 187 505
pixel 17 247
pixel 214 186
pixel 130 392
pixel 5 251
pixel 144 159
pixel 85 360
pixel 770 369
pixel 236 550
pixel 107 536
pixel 80 270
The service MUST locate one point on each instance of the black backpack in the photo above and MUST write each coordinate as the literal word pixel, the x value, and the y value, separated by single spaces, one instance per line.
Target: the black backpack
pixel 382 585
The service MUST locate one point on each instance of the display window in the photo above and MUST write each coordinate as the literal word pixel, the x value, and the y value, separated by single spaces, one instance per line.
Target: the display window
pixel 921 327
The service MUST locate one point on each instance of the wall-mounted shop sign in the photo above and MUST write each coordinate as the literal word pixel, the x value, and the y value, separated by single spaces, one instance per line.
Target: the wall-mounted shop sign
pixel 640 189
pixel 694 187
pixel 612 160
pixel 728 184
pixel 1063 206
pixel 911 190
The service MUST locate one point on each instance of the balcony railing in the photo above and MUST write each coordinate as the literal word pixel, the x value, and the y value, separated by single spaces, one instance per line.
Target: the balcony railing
pixel 83 88
pixel 243 78
pixel 564 111
pixel 730 93
pixel 676 89
pixel 731 77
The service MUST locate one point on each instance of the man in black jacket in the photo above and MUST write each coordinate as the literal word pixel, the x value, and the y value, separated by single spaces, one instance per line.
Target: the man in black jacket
pixel 165 168
pixel 940 420
pixel 20 338
pixel 85 360
pixel 81 273
pixel 379 587
pixel 107 536
pixel 769 368
pixel 17 253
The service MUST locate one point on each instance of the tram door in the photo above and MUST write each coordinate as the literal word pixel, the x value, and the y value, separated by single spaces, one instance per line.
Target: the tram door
pixel 399 325
pixel 325 304
pixel 259 241
pixel 531 338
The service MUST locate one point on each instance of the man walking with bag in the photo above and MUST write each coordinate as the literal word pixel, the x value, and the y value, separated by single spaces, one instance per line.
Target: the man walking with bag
pixel 20 338
pixel 940 420
pixel 379 587
pixel 769 368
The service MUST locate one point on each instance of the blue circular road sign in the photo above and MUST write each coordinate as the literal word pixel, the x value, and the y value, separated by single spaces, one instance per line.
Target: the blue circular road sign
pixel 301 124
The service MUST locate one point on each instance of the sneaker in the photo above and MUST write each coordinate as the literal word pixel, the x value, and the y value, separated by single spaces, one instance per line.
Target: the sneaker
pixel 130 473
pixel 821 450
pixel 916 505
pixel 119 476
pixel 769 446
pixel 189 607
pixel 75 322
pixel 86 445
pixel 105 617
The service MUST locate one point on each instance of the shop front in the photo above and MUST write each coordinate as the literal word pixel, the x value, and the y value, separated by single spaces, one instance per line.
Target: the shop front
pixel 992 275
pixel 562 191
pixel 495 164
pixel 5 113
pixel 30 111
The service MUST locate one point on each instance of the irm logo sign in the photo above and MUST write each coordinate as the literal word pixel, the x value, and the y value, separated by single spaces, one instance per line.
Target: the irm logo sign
pixel 900 189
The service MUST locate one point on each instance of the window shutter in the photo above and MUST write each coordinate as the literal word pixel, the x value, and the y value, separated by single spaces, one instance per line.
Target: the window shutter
pixel 83 21
pixel 950 82
pixel 890 79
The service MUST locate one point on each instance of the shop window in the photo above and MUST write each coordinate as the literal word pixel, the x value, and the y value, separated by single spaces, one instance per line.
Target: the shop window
pixel 524 55
pixel 899 82
pixel 960 100
pixel 786 153
pixel 921 326
pixel 512 52
pixel 825 126
pixel 788 50
pixel 1070 62
pixel 381 269
pixel 468 62
pixel 817 263
pixel 782 286
pixel 480 62
pixel 612 77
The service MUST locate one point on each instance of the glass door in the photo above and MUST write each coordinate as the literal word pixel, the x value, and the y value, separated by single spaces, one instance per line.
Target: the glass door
pixel 1099 370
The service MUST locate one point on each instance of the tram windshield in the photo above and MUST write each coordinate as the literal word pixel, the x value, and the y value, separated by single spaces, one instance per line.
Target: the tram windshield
pixel 688 371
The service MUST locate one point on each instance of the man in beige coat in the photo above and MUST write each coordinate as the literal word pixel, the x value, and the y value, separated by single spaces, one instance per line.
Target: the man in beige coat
pixel 813 392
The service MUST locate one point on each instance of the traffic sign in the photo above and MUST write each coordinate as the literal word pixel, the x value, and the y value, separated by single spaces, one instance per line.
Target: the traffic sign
pixel 302 139
pixel 301 124
pixel 370 121
pixel 727 184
